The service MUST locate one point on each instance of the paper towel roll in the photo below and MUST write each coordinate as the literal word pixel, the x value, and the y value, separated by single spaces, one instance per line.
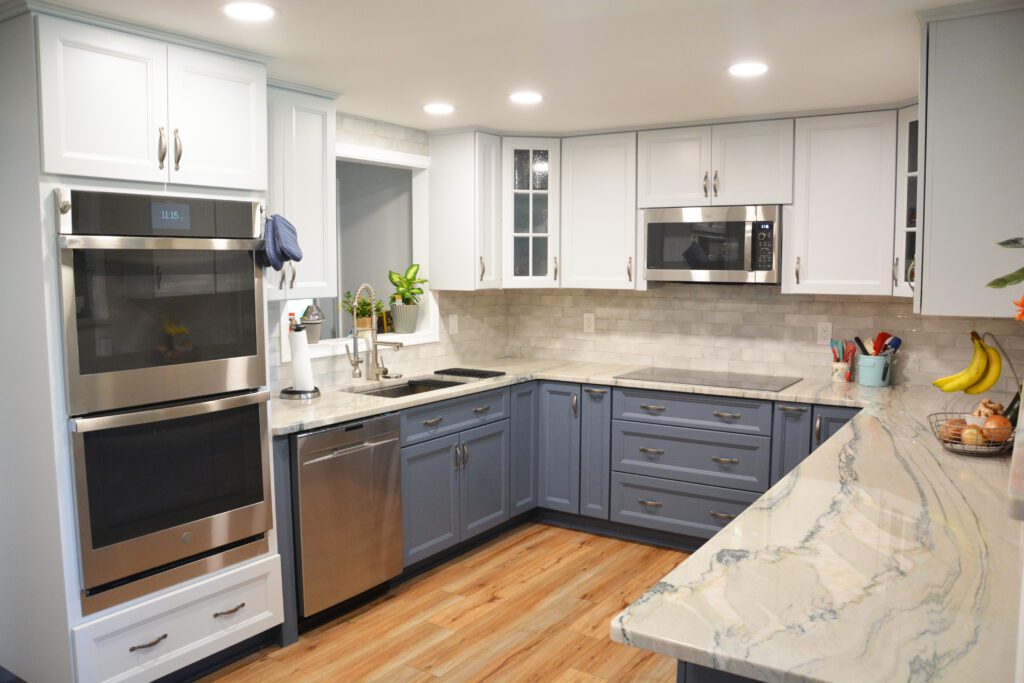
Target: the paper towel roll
pixel 302 368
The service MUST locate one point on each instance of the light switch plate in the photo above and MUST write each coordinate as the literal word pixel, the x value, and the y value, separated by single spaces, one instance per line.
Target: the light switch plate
pixel 453 323
pixel 824 333
pixel 588 323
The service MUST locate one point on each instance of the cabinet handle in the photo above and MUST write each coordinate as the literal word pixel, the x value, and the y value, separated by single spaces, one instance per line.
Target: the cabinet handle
pixel 291 283
pixel 793 409
pixel 483 269
pixel 457 456
pixel 721 515
pixel 556 268
pixel 798 270
pixel 597 392
pixel 895 269
pixel 656 409
pixel 575 404
pixel 465 455
pixel 481 410
pixel 280 283
pixel 652 451
pixel 629 268
pixel 163 146
pixel 705 183
pixel 725 461
pixel 179 147
pixel 63 202
pixel 432 421
pixel 650 503
pixel 817 430
pixel 727 416
pixel 714 184
pixel 146 646
pixel 228 612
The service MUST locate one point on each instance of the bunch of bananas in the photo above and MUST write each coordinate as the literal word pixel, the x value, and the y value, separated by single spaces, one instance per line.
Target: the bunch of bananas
pixel 978 377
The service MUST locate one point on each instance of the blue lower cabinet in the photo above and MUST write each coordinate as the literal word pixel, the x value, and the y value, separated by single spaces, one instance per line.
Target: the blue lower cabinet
pixel 523 460
pixel 558 456
pixel 484 478
pixel 595 450
pixel 828 420
pixel 430 498
pixel 791 437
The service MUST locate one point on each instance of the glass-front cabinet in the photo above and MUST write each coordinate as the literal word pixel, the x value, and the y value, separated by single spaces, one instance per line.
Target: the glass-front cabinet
pixel 904 264
pixel 530 211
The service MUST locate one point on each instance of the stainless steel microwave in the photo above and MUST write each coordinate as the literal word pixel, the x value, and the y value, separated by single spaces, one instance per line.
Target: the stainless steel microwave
pixel 737 244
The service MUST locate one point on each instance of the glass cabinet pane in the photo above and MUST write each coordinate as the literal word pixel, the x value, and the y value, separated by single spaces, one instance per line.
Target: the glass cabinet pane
pixel 911 217
pixel 540 169
pixel 912 147
pixel 910 257
pixel 521 212
pixel 521 257
pixel 540 212
pixel 521 169
pixel 540 257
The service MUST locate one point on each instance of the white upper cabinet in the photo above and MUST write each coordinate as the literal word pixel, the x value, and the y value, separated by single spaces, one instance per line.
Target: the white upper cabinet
pixel 465 211
pixel 599 211
pixel 724 165
pixel 104 102
pixel 908 190
pixel 114 105
pixel 752 163
pixel 217 107
pixel 530 212
pixel 974 175
pixel 838 233
pixel 303 190
pixel 674 167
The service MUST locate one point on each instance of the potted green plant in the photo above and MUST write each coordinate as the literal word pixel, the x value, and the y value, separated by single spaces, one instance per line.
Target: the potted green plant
pixel 363 313
pixel 405 302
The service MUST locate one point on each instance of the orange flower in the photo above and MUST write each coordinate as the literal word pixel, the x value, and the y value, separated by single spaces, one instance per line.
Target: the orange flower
pixel 1019 303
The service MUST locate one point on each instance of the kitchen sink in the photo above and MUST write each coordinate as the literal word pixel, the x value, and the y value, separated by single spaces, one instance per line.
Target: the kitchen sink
pixel 410 387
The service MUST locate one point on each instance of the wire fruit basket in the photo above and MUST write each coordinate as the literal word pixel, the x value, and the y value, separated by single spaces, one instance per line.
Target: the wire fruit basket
pixel 957 434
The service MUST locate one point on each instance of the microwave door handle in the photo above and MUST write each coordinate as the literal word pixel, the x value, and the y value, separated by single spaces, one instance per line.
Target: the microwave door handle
pixel 95 424
pixel 748 236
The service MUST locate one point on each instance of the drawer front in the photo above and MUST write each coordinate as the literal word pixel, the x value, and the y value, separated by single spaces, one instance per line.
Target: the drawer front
pixel 162 635
pixel 430 421
pixel 675 506
pixel 700 456
pixel 740 415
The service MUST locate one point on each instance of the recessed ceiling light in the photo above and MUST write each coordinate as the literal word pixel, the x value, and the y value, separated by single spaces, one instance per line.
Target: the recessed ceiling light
pixel 439 108
pixel 249 11
pixel 747 69
pixel 526 97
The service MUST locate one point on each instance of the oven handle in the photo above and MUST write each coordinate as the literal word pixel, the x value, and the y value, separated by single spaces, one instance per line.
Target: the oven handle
pixel 95 424
pixel 158 243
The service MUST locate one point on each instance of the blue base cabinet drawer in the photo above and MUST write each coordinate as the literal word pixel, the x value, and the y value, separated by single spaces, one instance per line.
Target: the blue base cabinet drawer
pixel 675 506
pixel 740 415
pixel 699 456
pixel 434 420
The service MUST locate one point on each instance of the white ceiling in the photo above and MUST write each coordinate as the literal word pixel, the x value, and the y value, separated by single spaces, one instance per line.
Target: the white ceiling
pixel 599 63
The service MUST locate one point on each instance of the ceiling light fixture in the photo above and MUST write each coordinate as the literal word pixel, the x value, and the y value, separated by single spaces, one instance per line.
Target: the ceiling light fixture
pixel 526 97
pixel 439 108
pixel 748 69
pixel 249 11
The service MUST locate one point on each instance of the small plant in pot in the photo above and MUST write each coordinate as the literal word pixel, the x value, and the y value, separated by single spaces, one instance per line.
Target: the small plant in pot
pixel 363 313
pixel 405 302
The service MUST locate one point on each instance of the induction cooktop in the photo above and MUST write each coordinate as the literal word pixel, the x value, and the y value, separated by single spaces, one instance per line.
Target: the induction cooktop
pixel 710 378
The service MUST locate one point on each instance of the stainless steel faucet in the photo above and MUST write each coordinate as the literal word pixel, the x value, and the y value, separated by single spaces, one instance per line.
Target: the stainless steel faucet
pixel 374 369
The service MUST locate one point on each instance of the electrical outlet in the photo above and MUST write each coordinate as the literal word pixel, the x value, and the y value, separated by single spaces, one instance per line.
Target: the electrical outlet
pixel 588 323
pixel 824 333
pixel 453 323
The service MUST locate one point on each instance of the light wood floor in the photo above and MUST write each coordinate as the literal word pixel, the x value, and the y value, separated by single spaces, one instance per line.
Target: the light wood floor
pixel 532 605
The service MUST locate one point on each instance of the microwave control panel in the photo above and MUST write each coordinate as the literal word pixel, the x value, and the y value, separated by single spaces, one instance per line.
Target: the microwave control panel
pixel 764 238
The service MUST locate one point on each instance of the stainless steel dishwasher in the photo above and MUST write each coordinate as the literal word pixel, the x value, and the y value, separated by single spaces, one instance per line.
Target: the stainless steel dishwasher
pixel 349 511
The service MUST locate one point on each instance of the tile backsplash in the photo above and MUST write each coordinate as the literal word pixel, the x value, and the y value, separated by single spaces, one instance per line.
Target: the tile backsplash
pixel 715 327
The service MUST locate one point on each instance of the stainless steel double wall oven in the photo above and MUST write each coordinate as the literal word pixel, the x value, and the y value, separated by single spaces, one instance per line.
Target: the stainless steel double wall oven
pixel 166 372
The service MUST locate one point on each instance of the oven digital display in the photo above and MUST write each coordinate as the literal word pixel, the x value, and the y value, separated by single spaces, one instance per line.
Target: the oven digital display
pixel 170 216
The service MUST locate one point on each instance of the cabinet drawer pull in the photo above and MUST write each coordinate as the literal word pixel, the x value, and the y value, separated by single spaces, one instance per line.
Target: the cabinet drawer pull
pixel 483 269
pixel 596 392
pixel 797 270
pixel 646 406
pixel 721 515
pixel 163 147
pixel 895 269
pixel 726 461
pixel 458 456
pixel 705 183
pixel 465 455
pixel 650 503
pixel 652 451
pixel 556 269
pixel 228 612
pixel 432 422
pixel 179 147
pixel 575 404
pixel 793 409
pixel 629 268
pixel 817 431
pixel 727 416
pixel 481 409
pixel 714 184
pixel 146 646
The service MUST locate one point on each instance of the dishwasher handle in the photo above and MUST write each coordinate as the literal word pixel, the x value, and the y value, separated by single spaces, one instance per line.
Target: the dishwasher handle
pixel 348 450
pixel 337 441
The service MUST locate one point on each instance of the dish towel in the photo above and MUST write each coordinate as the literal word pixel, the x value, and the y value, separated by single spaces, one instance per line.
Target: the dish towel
pixel 281 242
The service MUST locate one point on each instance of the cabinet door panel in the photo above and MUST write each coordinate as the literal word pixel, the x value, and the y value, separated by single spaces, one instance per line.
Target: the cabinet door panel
pixel 103 102
pixel 483 488
pixel 595 450
pixel 559 454
pixel 530 198
pixel 840 225
pixel 674 167
pixel 753 162
pixel 599 211
pixel 430 498
pixel 487 265
pixel 523 477
pixel 791 437
pixel 218 106
pixel 828 420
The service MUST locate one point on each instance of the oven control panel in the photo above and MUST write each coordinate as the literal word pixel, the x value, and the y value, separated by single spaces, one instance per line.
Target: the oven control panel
pixel 764 246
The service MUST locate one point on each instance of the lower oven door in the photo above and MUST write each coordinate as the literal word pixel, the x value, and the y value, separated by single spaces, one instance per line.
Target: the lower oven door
pixel 156 487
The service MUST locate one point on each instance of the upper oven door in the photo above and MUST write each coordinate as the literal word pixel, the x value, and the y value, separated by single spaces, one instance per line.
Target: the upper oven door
pixel 713 244
pixel 150 319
